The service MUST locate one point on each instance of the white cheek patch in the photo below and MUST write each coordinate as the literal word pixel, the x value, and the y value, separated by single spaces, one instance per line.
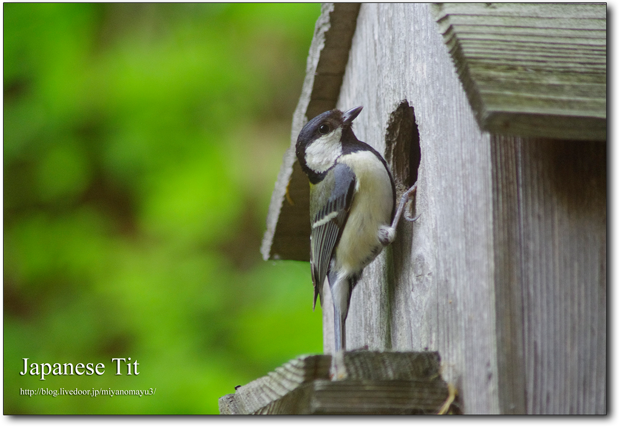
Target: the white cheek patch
pixel 323 152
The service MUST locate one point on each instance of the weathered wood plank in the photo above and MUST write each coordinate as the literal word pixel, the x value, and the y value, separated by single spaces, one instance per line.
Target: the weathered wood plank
pixel 441 297
pixel 562 223
pixel 374 397
pixel 505 271
pixel 531 42
pixel 286 379
pixel 375 383
pixel 478 276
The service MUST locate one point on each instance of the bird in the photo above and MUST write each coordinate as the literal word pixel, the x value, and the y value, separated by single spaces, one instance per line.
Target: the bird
pixel 352 207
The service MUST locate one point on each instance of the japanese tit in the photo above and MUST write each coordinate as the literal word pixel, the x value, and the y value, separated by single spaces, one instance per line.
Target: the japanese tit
pixel 352 207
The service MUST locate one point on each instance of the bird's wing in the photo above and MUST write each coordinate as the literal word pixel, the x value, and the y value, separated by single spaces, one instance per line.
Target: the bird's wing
pixel 332 198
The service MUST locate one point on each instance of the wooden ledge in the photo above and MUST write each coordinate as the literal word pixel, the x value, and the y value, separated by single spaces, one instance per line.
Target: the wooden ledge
pixel 375 383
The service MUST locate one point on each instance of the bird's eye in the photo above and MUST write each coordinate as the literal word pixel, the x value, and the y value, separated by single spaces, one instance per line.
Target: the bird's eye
pixel 324 129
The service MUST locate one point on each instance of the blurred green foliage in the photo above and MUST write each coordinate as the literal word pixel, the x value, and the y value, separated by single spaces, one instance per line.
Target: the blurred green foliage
pixel 141 145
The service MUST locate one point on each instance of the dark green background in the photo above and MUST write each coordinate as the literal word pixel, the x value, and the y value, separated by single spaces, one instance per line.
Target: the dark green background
pixel 141 146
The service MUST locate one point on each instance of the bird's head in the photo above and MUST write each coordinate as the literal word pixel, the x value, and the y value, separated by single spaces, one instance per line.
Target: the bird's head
pixel 320 141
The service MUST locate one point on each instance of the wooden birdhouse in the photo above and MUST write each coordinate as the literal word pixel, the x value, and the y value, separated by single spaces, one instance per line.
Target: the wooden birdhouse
pixel 498 111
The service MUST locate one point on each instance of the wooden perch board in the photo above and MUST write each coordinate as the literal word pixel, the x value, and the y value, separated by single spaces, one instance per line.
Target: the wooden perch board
pixel 375 383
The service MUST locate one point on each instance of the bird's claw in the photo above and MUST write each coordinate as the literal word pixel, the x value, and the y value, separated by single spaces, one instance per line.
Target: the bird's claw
pixel 408 198
pixel 411 219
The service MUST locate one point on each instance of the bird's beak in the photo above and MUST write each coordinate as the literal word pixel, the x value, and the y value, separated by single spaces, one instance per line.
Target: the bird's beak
pixel 348 116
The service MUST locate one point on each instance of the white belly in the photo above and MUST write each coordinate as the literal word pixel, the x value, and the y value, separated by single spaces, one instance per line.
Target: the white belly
pixel 372 207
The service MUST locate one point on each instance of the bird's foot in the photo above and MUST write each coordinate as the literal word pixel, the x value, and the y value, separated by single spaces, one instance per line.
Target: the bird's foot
pixel 452 393
pixel 338 371
pixel 406 198
pixel 388 234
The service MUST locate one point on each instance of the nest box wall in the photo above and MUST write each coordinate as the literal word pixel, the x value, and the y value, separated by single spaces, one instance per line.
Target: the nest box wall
pixel 505 271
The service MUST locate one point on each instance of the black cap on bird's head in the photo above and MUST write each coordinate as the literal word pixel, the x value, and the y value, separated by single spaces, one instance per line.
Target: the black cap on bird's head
pixel 320 140
pixel 327 122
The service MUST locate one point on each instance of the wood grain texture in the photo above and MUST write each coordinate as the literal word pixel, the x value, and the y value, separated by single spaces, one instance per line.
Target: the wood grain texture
pixel 502 259
pixel 287 379
pixel 561 187
pixel 531 69
pixel 504 273
pixel 373 397
pixel 441 266
pixel 376 383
